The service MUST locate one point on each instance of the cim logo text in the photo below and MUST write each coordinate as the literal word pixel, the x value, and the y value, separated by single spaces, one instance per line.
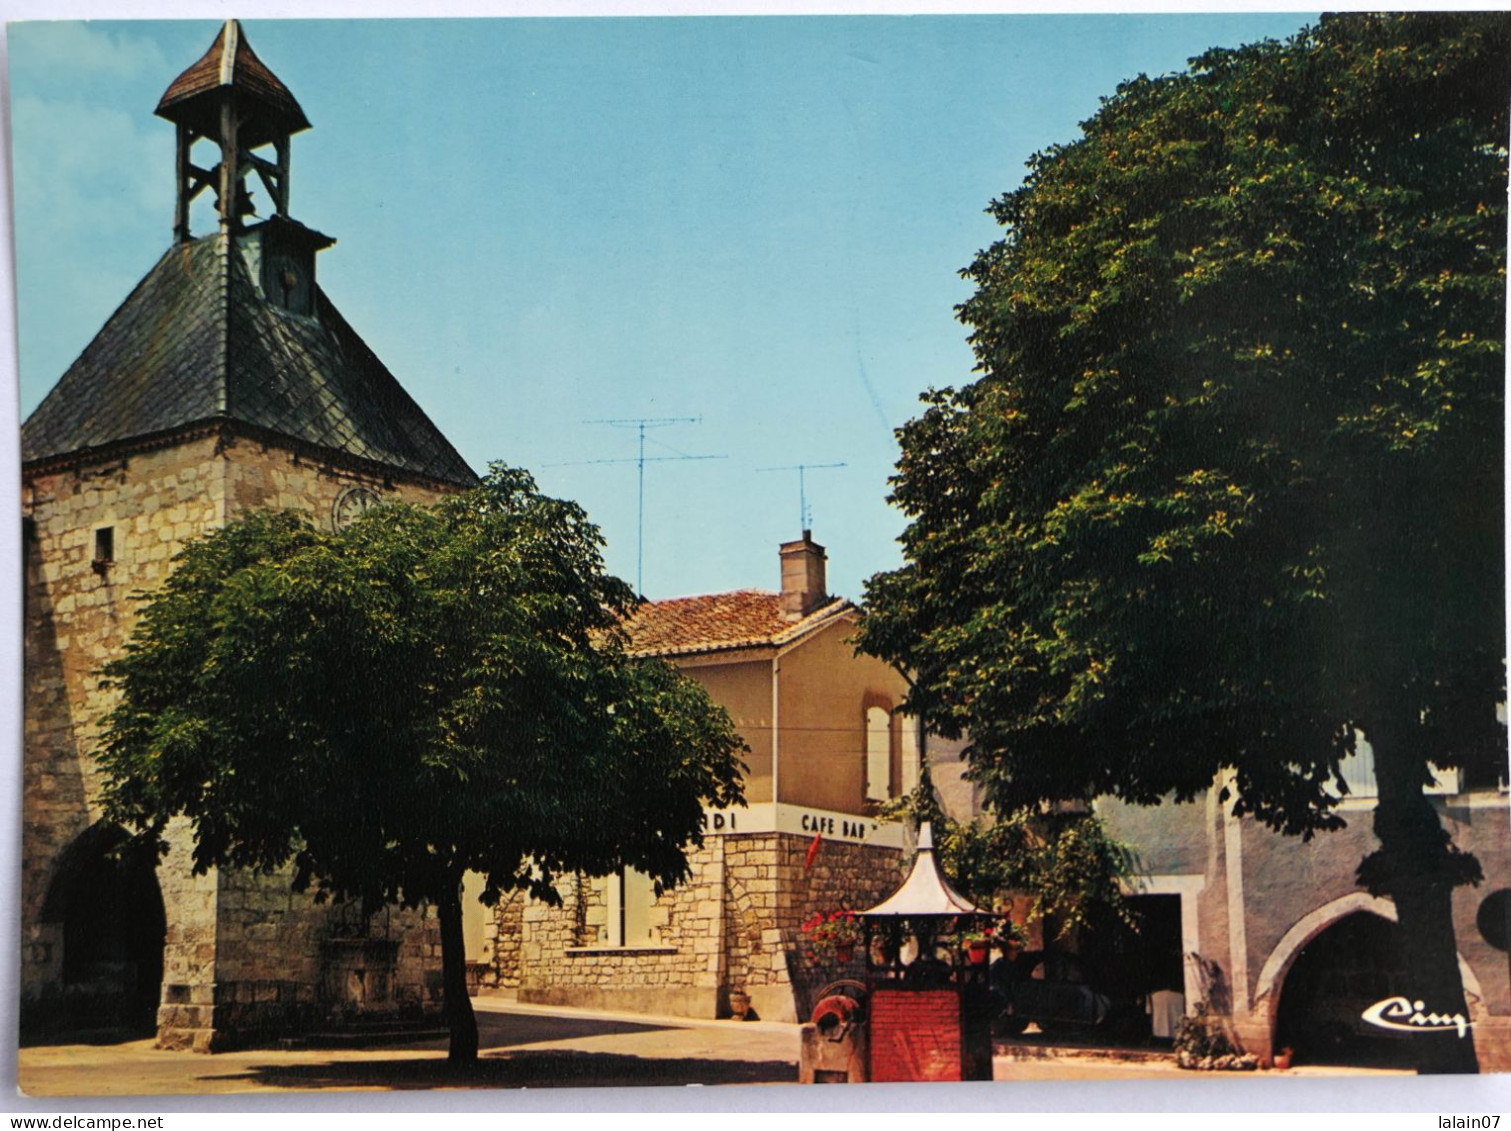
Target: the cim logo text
pixel 1406 1016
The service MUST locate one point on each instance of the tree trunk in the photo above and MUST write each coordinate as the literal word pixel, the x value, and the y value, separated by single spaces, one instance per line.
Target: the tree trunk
pixel 1418 869
pixel 458 1005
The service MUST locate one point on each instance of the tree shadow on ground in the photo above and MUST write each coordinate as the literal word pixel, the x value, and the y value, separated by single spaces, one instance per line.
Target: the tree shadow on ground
pixel 502 1030
pixel 544 1069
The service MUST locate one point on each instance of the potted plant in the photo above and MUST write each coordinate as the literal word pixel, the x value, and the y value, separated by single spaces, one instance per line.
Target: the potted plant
pixel 977 943
pixel 1012 938
pixel 832 937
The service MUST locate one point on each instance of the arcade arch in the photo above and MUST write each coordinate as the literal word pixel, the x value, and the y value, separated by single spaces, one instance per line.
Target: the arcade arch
pixel 104 897
pixel 1339 952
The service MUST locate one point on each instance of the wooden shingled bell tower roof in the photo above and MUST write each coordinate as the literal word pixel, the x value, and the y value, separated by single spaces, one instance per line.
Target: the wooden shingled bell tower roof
pixel 231 98
pixel 231 65
pixel 230 331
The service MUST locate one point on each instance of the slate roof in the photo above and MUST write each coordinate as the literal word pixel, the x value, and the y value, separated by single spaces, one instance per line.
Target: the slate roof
pixel 715 622
pixel 195 343
pixel 230 63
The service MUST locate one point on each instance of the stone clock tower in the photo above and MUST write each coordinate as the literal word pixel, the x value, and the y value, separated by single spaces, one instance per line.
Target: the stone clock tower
pixel 225 382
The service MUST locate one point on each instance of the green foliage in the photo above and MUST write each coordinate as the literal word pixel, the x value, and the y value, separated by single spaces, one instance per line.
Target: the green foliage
pixel 1229 490
pixel 1067 864
pixel 433 690
pixel 1230 483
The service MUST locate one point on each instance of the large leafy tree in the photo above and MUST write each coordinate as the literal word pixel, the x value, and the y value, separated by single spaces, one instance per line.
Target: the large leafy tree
pixel 432 691
pixel 1228 491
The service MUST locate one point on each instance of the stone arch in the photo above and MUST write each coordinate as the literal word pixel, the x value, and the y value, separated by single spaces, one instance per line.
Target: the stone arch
pixel 1309 926
pixel 1270 984
pixel 105 899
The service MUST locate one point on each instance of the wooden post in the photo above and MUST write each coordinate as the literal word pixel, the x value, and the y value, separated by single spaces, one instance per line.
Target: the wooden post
pixel 181 204
pixel 229 160
pixel 282 145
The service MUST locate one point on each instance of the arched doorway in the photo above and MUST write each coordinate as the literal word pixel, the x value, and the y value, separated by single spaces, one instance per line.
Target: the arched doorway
pixel 105 895
pixel 1349 966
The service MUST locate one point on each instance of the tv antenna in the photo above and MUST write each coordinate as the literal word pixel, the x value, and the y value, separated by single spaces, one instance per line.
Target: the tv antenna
pixel 804 511
pixel 641 424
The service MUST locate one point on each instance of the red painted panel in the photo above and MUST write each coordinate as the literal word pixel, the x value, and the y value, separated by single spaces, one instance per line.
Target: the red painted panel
pixel 915 1035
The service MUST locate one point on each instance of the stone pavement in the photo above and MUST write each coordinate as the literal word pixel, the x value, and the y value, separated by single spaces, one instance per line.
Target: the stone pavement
pixel 521 1046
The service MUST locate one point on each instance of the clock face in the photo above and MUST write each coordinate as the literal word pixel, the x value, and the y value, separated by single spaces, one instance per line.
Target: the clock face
pixel 351 505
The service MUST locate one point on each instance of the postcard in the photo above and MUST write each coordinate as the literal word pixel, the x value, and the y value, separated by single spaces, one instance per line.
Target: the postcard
pixel 1078 653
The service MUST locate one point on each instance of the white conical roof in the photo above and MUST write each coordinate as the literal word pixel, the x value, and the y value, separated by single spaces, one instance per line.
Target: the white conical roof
pixel 925 891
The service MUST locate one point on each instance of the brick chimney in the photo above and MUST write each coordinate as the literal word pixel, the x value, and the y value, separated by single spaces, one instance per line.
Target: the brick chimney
pixel 803 585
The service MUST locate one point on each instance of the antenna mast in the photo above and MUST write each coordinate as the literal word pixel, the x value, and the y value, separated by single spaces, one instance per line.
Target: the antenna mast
pixel 641 424
pixel 804 512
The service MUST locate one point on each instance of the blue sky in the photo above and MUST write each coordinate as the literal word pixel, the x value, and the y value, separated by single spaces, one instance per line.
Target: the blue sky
pixel 757 222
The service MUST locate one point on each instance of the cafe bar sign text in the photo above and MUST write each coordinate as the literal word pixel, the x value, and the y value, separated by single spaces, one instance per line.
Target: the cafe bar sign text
pixel 801 820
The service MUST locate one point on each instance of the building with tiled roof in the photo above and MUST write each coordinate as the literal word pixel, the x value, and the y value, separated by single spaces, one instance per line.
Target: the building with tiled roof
pixel 722 622
pixel 826 747
pixel 227 381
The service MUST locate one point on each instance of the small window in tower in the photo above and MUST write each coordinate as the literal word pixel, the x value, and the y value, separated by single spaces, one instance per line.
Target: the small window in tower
pixel 104 548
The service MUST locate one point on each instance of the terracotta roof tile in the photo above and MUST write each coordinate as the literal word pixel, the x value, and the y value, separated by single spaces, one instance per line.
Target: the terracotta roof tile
pixel 745 618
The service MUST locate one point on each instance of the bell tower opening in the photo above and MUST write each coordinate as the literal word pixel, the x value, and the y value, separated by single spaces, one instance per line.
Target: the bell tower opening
pixel 231 110
pixel 230 98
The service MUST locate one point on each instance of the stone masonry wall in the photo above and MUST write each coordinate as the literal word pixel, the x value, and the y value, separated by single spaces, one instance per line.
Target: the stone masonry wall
pixel 563 960
pixel 503 933
pixel 278 968
pixel 76 618
pixel 232 941
pixel 735 925
pixel 844 876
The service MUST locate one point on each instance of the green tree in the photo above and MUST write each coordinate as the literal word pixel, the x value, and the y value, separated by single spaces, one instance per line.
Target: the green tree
pixel 432 691
pixel 1228 490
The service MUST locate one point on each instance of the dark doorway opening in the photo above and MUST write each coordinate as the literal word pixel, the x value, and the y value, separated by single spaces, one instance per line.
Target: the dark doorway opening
pixel 1340 973
pixel 1110 982
pixel 106 897
pixel 1139 962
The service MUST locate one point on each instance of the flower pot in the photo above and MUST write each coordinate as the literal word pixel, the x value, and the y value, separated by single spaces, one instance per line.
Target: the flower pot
pixel 977 952
pixel 844 952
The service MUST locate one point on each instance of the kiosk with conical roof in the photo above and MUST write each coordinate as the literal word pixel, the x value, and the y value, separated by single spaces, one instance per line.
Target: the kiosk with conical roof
pixel 928 1018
